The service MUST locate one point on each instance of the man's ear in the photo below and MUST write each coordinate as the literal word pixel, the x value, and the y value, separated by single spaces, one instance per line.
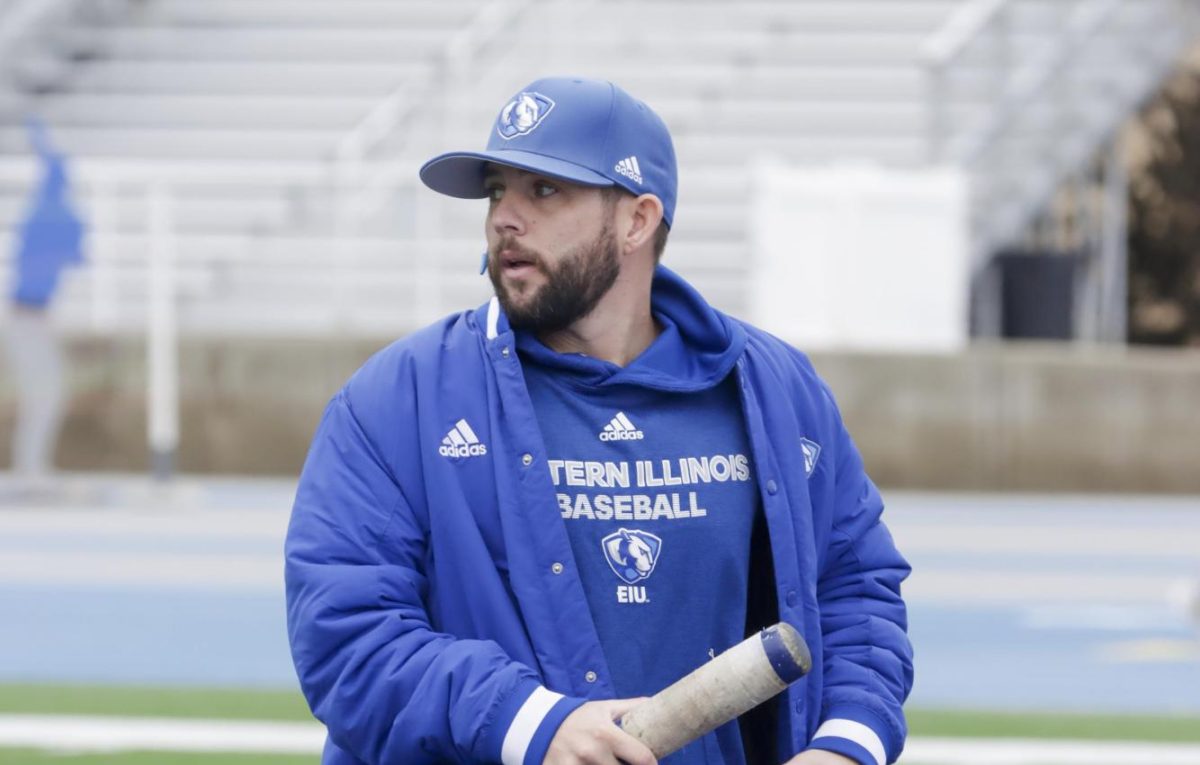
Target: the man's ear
pixel 645 214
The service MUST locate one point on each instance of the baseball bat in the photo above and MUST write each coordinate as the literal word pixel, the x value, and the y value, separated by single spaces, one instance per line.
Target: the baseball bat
pixel 733 683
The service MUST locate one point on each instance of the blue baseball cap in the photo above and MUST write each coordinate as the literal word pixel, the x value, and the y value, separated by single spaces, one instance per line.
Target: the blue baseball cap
pixel 588 132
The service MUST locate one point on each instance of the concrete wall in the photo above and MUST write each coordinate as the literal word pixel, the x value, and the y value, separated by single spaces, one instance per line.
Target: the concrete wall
pixel 1038 417
pixel 1044 417
pixel 247 405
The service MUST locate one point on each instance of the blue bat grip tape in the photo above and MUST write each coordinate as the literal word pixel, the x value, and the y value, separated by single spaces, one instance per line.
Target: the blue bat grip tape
pixel 786 667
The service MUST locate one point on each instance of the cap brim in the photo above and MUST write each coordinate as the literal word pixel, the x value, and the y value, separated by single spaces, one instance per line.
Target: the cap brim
pixel 460 174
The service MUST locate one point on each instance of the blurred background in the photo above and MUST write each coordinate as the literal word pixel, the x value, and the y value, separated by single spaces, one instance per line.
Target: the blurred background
pixel 981 218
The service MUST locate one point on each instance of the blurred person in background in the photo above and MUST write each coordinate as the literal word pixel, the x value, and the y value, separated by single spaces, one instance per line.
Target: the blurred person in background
pixel 515 524
pixel 49 238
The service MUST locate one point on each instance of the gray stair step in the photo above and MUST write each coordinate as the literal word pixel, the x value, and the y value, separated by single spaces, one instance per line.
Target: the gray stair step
pixel 233 78
pixel 748 46
pixel 247 44
pixel 184 144
pixel 195 112
pixel 887 149
pixel 314 13
pixel 883 15
pixel 192 213
pixel 801 120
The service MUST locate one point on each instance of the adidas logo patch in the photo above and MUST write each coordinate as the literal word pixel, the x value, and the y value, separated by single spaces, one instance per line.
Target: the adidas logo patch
pixel 461 441
pixel 628 167
pixel 621 429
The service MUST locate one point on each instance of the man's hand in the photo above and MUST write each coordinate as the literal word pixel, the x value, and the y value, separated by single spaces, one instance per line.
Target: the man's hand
pixel 820 757
pixel 591 736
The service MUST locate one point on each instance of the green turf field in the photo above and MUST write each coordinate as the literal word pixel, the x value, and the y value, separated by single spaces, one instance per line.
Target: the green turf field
pixel 218 703
pixel 1061 726
pixel 236 704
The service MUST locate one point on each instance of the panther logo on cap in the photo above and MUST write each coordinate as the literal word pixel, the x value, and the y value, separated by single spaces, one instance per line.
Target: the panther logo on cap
pixel 523 114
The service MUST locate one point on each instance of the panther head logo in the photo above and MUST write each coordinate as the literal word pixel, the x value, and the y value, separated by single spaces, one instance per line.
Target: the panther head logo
pixel 523 114
pixel 632 555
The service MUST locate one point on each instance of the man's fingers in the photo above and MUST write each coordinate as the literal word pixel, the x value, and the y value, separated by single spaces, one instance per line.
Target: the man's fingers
pixel 591 735
pixel 631 751
pixel 627 748
pixel 618 707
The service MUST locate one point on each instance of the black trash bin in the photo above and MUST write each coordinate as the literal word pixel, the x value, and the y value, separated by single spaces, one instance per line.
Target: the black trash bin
pixel 1038 294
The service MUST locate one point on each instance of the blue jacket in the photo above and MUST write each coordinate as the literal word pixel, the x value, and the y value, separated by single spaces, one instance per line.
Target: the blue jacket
pixel 433 611
pixel 50 237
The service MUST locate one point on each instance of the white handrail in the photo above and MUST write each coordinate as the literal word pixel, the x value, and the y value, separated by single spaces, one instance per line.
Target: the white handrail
pixel 359 192
pixel 385 117
pixel 966 24
pixel 22 17
pixel 398 107
pixel 938 53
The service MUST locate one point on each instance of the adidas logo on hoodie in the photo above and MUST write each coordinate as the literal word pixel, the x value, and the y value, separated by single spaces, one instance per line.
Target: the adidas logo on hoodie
pixel 461 441
pixel 621 429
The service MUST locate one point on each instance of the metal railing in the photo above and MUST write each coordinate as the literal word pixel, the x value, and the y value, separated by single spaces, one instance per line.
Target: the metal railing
pixel 171 264
pixel 1016 163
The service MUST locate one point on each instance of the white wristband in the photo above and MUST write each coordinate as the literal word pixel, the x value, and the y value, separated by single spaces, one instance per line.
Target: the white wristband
pixel 525 724
pixel 856 732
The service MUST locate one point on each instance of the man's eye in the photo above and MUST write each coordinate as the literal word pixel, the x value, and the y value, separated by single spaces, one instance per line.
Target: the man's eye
pixel 544 189
pixel 494 192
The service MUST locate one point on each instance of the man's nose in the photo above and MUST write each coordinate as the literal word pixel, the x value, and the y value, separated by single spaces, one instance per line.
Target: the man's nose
pixel 506 216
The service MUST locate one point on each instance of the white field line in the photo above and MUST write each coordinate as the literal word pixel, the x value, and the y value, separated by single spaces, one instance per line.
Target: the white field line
pixel 123 568
pixel 995 751
pixel 109 734
pixel 113 734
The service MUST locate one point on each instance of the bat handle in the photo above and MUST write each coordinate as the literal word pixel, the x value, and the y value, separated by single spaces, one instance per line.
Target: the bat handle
pixel 731 684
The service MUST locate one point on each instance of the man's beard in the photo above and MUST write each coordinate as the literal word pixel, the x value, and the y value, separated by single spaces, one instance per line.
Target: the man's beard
pixel 571 290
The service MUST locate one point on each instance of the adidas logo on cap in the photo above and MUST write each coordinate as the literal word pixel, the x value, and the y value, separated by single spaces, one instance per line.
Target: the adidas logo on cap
pixel 461 441
pixel 621 429
pixel 628 167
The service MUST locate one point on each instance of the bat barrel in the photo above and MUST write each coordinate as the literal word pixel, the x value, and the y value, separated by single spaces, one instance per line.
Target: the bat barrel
pixel 733 683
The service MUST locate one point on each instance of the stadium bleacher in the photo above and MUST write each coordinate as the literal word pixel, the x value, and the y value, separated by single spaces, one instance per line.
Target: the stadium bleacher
pixel 242 110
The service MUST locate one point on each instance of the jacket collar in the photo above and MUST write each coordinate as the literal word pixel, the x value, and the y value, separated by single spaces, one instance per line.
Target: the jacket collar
pixel 697 349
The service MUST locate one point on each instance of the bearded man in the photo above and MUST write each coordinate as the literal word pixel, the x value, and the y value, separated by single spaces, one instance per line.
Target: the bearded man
pixel 515 524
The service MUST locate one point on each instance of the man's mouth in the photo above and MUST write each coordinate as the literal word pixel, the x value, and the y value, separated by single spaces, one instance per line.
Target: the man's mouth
pixel 515 263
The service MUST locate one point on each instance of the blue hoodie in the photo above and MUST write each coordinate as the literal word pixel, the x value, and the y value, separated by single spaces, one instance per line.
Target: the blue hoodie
pixel 434 611
pixel 656 491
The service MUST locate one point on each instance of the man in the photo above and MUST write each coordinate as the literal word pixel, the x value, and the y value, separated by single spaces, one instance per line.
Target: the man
pixel 516 523
pixel 49 239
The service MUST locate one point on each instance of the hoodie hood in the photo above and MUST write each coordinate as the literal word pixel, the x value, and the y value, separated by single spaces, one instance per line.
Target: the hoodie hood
pixel 696 350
